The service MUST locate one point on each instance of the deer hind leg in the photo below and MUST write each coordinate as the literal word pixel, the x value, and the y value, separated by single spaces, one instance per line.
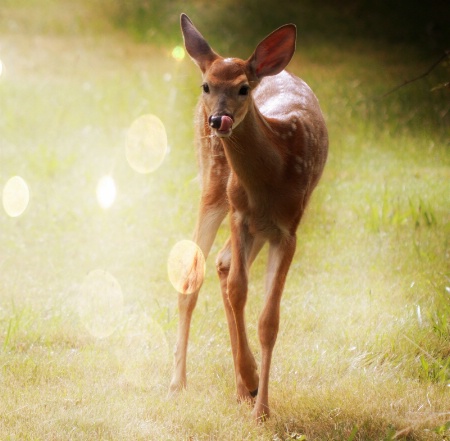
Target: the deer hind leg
pixel 280 258
pixel 223 264
pixel 209 220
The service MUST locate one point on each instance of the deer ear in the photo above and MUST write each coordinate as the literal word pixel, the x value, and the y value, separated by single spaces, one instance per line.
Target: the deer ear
pixel 274 53
pixel 196 46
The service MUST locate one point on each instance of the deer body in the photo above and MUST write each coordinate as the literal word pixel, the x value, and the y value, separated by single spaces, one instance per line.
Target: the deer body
pixel 262 145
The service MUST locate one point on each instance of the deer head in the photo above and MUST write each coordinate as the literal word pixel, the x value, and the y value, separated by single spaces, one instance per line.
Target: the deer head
pixel 228 82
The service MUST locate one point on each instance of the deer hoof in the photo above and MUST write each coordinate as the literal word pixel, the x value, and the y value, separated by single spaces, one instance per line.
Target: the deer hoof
pixel 175 389
pixel 245 396
pixel 260 414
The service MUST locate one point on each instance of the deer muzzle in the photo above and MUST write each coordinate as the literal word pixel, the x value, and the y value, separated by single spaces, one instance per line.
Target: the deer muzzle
pixel 222 123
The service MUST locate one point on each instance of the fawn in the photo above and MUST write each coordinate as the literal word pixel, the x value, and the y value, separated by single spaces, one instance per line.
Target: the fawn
pixel 262 145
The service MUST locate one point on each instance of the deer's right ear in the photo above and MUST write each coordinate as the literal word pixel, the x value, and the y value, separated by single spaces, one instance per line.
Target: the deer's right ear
pixel 197 47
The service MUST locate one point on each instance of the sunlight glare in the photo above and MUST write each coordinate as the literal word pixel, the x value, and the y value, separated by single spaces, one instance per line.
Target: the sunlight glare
pixel 178 53
pixel 1 68
pixel 100 304
pixel 186 267
pixel 146 144
pixel 143 351
pixel 16 196
pixel 106 192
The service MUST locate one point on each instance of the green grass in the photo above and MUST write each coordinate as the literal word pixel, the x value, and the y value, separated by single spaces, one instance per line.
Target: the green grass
pixel 364 345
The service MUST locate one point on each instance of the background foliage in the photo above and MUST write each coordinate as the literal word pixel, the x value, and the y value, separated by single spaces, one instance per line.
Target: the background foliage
pixel 421 24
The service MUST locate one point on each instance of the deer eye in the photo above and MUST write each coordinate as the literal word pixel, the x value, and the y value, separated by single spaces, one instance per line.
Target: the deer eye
pixel 244 90
pixel 205 87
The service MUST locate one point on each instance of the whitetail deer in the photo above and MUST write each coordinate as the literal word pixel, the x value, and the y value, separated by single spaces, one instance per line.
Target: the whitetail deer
pixel 262 145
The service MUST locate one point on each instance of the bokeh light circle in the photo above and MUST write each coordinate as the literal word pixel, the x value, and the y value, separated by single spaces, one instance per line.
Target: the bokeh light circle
pixel 100 304
pixel 178 53
pixel 106 192
pixel 146 144
pixel 16 196
pixel 186 267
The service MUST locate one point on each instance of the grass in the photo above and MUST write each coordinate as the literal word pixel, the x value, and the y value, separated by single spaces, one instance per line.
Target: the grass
pixel 364 345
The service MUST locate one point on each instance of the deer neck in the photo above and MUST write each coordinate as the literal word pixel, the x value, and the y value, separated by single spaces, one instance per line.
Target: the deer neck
pixel 253 155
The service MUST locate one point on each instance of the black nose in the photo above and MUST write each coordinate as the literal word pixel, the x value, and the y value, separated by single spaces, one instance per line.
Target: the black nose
pixel 215 121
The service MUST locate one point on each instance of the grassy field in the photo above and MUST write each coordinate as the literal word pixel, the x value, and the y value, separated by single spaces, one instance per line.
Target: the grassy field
pixel 364 346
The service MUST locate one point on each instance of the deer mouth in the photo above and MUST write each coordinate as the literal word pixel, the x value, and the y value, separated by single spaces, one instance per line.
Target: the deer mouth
pixel 222 124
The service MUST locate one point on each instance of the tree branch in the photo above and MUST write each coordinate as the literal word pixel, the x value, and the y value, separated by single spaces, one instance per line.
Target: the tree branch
pixel 445 55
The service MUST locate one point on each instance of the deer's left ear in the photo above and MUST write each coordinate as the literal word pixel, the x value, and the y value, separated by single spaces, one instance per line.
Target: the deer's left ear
pixel 274 53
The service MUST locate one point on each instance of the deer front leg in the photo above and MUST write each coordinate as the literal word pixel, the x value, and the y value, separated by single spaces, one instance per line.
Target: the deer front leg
pixel 242 243
pixel 223 264
pixel 280 258
pixel 209 220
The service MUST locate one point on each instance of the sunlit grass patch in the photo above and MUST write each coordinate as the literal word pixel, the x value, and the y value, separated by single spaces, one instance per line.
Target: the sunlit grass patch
pixel 361 404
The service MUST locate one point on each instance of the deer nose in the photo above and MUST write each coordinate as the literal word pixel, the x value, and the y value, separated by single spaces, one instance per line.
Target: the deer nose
pixel 215 121
pixel 222 123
